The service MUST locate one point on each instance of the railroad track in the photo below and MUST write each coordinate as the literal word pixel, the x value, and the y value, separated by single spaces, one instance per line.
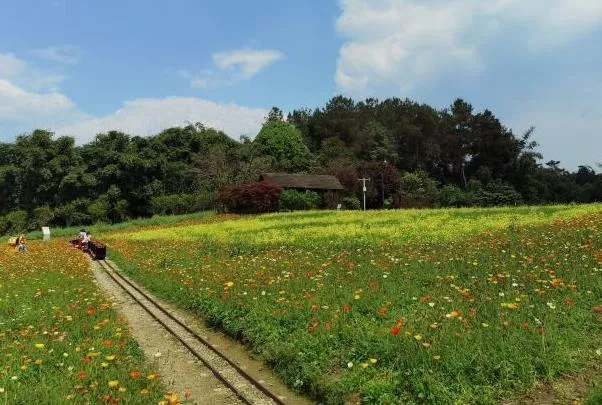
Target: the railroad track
pixel 245 387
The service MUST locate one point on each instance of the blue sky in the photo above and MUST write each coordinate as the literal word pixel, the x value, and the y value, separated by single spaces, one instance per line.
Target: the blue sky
pixel 82 67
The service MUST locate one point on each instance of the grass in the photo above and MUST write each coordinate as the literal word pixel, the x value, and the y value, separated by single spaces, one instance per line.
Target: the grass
pixel 60 338
pixel 440 306
pixel 130 225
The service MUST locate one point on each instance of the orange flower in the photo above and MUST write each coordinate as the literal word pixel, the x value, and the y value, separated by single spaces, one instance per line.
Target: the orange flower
pixel 346 308
pixel 540 330
pixel 90 310
pixel 525 326
pixel 82 375
pixel 172 398
pixel 597 308
pixel 382 311
pixel 135 374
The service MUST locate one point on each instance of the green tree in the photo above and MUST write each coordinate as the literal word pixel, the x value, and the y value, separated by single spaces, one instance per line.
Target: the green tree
pixel 284 144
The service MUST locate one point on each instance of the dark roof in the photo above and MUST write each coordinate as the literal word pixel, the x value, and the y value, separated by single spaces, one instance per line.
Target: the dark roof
pixel 304 181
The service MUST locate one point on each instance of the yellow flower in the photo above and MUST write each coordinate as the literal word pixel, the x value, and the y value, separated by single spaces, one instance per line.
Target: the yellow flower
pixel 40 345
pixel 373 361
pixel 426 345
pixel 111 357
pixel 485 325
pixel 113 383
pixel 122 389
pixel 364 365
pixel 229 284
pixel 104 364
pixel 418 336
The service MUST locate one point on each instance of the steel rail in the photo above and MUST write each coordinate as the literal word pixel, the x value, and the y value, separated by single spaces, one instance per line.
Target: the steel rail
pixel 116 277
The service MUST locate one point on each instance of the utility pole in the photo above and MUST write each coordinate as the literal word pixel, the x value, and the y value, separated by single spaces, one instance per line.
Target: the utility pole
pixel 364 180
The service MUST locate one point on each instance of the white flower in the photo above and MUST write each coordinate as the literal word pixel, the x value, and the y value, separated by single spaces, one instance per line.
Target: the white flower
pixel 551 305
pixel 350 364
pixel 431 304
pixel 158 354
pixel 14 378
pixel 501 294
pixel 599 352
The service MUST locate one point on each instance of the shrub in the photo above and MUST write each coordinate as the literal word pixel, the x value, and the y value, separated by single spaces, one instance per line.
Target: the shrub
pixel 248 198
pixel 177 204
pixel 291 200
pixel 352 203
pixel 17 221
pixel 498 194
pixel 4 225
pixel 99 209
pixel 418 189
pixel 453 196
pixel 42 216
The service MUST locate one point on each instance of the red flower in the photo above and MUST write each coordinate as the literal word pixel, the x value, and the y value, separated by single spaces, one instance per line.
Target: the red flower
pixel 395 330
pixel 90 310
pixel 347 308
pixel 569 303
pixel 425 298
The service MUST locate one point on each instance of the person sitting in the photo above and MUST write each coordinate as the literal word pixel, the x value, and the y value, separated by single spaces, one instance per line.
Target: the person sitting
pixel 85 241
pixel 21 247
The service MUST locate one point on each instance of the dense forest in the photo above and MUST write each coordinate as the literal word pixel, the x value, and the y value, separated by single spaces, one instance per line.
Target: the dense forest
pixel 415 155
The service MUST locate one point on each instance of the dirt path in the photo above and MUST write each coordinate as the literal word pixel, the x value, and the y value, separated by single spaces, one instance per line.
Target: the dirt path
pixel 180 371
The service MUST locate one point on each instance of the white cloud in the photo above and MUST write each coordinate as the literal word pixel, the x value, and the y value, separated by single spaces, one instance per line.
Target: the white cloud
pixel 402 43
pixel 246 63
pixel 27 94
pixel 18 105
pixel 148 116
pixel 11 66
pixel 23 74
pixel 65 54
pixel 233 66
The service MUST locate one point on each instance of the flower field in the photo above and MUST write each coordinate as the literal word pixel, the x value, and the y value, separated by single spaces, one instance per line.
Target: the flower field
pixel 60 339
pixel 439 306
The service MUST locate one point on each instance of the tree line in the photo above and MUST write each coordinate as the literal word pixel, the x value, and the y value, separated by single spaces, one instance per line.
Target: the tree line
pixel 414 154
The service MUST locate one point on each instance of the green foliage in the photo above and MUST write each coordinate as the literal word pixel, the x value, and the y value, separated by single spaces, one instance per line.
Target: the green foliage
pixel 418 189
pixel 177 204
pixel 497 194
pixel 293 200
pixel 594 396
pixel 99 209
pixel 454 147
pixel 352 203
pixel 42 216
pixel 284 144
pixel 17 221
pixel 4 225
